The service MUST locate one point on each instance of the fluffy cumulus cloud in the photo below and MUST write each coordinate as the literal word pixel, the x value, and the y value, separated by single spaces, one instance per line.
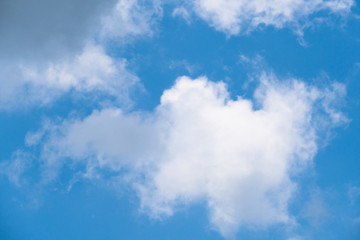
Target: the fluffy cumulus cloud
pixel 199 145
pixel 235 16
pixel 92 70
pixel 68 49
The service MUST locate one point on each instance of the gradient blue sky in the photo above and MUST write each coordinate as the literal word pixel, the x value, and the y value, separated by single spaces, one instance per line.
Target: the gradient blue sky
pixel 198 119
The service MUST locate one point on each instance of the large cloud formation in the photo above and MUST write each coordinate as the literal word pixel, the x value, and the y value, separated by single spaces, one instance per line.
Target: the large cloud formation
pixel 235 16
pixel 237 155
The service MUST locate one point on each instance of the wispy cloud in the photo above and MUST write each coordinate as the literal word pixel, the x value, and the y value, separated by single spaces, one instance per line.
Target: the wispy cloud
pixel 242 16
pixel 15 168
pixel 131 18
pixel 183 13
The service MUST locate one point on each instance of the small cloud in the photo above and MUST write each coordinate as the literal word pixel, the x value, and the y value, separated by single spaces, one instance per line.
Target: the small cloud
pixel 183 13
pixel 256 62
pixel 15 168
pixel 131 18
pixel 184 64
pixel 89 72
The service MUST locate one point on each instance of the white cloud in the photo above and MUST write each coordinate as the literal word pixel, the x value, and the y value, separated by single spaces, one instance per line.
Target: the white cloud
pixel 239 16
pixel 90 71
pixel 199 145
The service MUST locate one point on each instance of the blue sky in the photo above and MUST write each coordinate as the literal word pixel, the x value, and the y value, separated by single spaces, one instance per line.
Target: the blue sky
pixel 196 119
